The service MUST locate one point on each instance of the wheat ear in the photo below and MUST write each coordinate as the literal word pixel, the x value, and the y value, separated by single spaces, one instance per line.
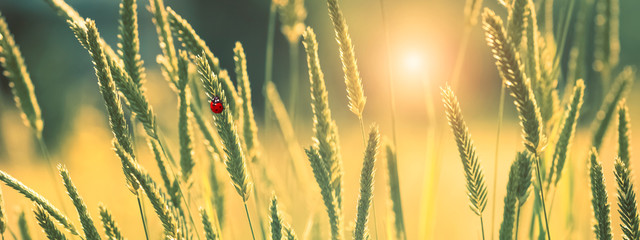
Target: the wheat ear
pixel 47 224
pixel 23 226
pixel 154 194
pixel 111 229
pixel 168 60
pixel 627 206
pixel 184 125
pixel 565 137
pixel 37 198
pixel 129 41
pixel 90 231
pixel 601 211
pixel 618 90
pixel 624 133
pixel 19 80
pixel 250 128
pixel 210 233
pixel 355 92
pixel 323 178
pixel 366 184
pixel 394 191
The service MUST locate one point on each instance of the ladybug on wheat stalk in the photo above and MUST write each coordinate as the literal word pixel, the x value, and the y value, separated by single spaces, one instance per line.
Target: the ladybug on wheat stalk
pixel 216 105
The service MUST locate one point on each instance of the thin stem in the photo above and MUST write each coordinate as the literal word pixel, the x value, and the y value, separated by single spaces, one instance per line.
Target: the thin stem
pixel 142 215
pixel 482 227
pixel 495 160
pixel 517 221
pixel 268 63
pixel 544 207
pixel 462 51
pixel 45 153
pixel 293 78
pixel 249 218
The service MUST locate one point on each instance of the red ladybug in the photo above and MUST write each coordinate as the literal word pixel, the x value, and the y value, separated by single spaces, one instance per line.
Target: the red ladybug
pixel 216 105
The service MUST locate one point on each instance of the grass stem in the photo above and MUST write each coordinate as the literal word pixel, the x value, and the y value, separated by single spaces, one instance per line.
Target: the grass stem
pixel 249 218
pixel 294 48
pixel 482 227
pixel 495 160
pixel 45 154
pixel 142 215
pixel 517 221
pixel 544 207
pixel 373 201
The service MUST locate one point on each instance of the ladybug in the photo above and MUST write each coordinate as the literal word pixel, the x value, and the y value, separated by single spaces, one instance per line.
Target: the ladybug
pixel 216 105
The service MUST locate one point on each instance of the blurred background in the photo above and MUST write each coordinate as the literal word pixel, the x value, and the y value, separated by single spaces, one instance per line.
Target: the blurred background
pixel 424 37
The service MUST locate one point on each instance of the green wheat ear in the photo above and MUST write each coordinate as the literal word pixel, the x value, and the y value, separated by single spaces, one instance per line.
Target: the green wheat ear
pixel 476 188
pixel 47 224
pixel 617 91
pixel 601 211
pixel 355 92
pixel 90 231
pixel 250 128
pixel 624 133
pixel 38 199
pixel 394 192
pixel 210 233
pixel 111 228
pixel 511 69
pixel 517 193
pixel 19 80
pixel 627 206
pixel 361 231
pixel 185 131
pixel 567 133
pixel 25 233
pixel 226 127
pixel 276 219
pixel 129 45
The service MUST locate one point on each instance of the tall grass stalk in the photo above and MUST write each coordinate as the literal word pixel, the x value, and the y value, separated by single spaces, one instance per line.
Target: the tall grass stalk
pixel 90 231
pixel 268 62
pixel 618 90
pixel 23 225
pixel 624 133
pixel 476 187
pixel 3 216
pixel 23 93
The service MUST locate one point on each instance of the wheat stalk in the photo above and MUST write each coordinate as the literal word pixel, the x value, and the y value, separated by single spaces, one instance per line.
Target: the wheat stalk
pixel 325 136
pixel 517 20
pixel 565 136
pixel 477 190
pixel 47 224
pixel 624 133
pixel 184 125
pixel 607 37
pixel 617 91
pixel 19 80
pixel 355 92
pixel 327 190
pixel 366 184
pixel 111 229
pixel 394 192
pixel 154 194
pixel 197 47
pixel 510 68
pixel 601 211
pixel 168 60
pixel 250 129
pixel 226 127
